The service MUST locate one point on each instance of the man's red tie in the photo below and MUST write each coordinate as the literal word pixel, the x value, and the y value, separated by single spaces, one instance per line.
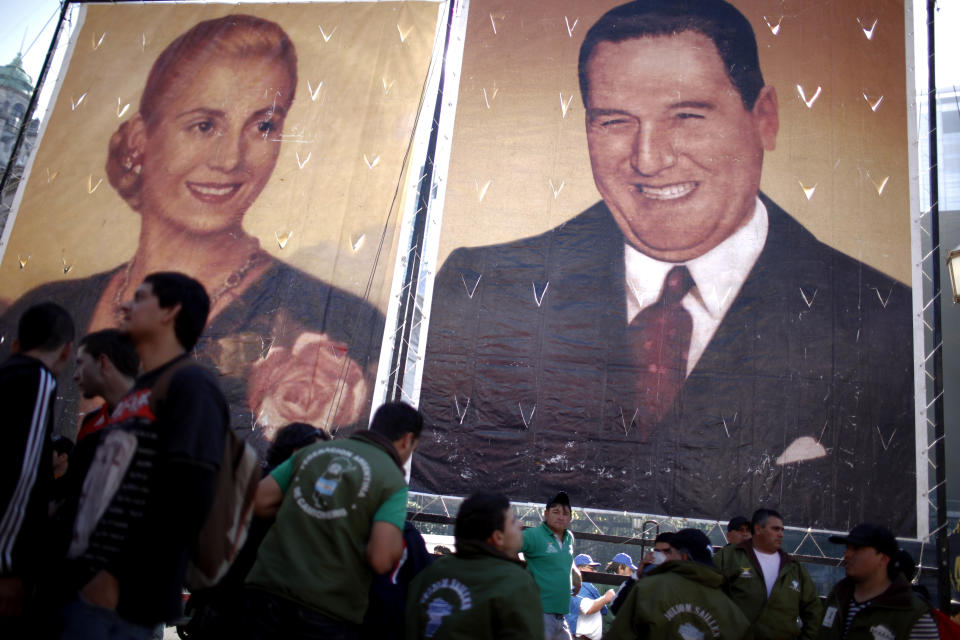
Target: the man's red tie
pixel 660 339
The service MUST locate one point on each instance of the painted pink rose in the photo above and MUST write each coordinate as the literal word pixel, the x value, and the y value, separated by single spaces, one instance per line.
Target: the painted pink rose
pixel 314 382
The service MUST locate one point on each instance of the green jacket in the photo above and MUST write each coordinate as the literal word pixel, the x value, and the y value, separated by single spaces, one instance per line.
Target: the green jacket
pixel 679 599
pixel 315 552
pixel 793 608
pixel 896 610
pixel 479 593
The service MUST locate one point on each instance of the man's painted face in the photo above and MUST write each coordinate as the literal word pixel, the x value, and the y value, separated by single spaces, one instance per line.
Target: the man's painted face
pixel 675 155
pixel 557 518
pixel 768 537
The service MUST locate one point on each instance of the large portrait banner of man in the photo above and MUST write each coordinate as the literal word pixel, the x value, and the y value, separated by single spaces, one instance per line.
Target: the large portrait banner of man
pixel 676 262
pixel 258 148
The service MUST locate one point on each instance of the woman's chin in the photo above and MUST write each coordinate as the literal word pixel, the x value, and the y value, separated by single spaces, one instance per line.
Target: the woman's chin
pixel 209 229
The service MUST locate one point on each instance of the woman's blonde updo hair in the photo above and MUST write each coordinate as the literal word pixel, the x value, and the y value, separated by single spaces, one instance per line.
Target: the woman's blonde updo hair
pixel 237 35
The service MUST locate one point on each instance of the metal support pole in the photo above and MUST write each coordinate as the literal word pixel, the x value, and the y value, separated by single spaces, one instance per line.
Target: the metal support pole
pixel 411 279
pixel 940 459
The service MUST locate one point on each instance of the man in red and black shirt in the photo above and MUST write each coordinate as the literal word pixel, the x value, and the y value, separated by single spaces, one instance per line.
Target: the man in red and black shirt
pixel 152 480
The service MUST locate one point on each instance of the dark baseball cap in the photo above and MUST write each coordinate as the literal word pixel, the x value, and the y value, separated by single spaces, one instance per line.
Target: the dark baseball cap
pixel 695 543
pixel 561 498
pixel 869 535
pixel 737 522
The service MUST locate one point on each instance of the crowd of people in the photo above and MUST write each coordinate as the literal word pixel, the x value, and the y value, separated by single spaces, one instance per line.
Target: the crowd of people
pixel 97 539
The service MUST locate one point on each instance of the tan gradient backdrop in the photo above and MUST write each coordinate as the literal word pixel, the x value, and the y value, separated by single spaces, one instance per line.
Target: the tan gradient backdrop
pixel 71 220
pixel 520 167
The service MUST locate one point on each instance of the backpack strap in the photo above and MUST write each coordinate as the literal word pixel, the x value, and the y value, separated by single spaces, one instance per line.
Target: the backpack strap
pixel 159 389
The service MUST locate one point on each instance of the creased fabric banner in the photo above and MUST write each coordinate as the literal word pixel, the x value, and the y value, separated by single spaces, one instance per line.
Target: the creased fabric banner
pixel 255 147
pixel 786 198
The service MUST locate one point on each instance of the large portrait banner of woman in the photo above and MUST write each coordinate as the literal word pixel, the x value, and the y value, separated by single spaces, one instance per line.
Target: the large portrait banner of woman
pixel 258 148
pixel 675 271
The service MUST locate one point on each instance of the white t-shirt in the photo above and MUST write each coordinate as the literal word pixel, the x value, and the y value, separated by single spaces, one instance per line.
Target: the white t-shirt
pixel 770 565
pixel 590 625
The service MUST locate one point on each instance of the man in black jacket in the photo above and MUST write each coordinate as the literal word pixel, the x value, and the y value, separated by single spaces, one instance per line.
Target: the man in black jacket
pixel 27 392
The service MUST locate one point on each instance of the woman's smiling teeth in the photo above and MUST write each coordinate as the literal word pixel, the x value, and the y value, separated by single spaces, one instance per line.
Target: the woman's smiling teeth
pixel 212 190
pixel 668 192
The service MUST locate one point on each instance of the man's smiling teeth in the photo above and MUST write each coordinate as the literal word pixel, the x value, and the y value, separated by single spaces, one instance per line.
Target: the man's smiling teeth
pixel 668 192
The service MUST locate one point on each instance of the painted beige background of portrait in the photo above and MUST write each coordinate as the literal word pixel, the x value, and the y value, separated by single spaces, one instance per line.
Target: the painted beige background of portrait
pixel 519 165
pixel 324 203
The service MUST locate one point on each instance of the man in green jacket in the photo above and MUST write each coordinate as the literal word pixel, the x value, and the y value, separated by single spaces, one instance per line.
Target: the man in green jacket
pixel 875 599
pixel 772 588
pixel 681 599
pixel 340 509
pixel 548 550
pixel 481 592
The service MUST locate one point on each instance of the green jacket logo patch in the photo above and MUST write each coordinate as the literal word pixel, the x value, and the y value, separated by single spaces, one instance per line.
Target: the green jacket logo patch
pixel 439 607
pixel 881 632
pixel 689 632
pixel 325 495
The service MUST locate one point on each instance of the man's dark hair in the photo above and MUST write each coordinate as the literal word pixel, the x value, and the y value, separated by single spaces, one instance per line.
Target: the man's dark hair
pixel 396 419
pixel 561 499
pixel 172 288
pixel 736 523
pixel 45 326
pixel 902 563
pixel 62 445
pixel 293 436
pixel 760 517
pixel 480 515
pixel 117 347
pixel 718 20
pixel 666 536
pixel 694 544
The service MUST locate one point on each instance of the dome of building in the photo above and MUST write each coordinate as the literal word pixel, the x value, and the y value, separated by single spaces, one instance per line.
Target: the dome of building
pixel 12 76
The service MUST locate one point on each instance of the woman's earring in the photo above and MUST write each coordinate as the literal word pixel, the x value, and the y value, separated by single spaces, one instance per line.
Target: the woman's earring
pixel 131 162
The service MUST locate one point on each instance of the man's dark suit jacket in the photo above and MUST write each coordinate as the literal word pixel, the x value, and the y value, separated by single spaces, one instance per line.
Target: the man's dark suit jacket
pixel 527 385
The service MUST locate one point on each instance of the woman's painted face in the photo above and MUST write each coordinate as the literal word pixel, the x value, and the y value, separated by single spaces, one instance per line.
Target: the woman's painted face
pixel 214 142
